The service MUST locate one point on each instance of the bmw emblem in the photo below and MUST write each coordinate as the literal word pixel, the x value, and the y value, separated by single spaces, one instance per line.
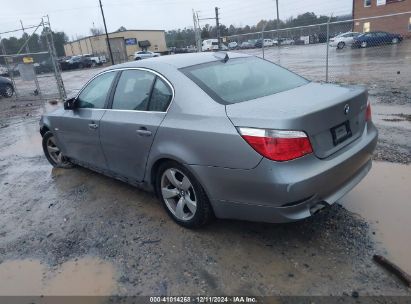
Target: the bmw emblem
pixel 346 109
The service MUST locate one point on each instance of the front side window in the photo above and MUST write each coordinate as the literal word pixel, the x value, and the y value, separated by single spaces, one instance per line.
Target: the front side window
pixel 242 79
pixel 133 90
pixel 95 93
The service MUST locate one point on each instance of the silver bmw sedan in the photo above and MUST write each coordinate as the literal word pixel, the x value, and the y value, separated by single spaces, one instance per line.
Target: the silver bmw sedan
pixel 217 134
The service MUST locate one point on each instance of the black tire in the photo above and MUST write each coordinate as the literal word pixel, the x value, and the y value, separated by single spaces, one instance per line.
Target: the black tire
pixel 65 163
pixel 340 45
pixel 80 66
pixel 7 91
pixel 203 213
pixel 137 58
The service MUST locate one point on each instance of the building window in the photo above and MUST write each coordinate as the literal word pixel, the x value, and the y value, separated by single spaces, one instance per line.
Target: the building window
pixel 366 27
pixel 409 24
pixel 367 3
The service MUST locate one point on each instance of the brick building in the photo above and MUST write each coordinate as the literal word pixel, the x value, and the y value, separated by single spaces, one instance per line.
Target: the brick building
pixel 400 24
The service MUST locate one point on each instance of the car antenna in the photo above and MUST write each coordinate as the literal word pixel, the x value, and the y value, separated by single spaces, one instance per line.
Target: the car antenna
pixel 220 55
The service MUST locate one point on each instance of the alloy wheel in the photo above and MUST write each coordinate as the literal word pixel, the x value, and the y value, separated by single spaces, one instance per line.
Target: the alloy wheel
pixel 395 40
pixel 364 44
pixel 178 194
pixel 54 151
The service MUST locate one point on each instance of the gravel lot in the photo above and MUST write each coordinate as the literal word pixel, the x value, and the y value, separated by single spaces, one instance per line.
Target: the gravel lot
pixel 61 227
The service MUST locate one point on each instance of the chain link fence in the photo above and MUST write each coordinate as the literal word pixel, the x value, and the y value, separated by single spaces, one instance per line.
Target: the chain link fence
pixel 357 51
pixel 33 74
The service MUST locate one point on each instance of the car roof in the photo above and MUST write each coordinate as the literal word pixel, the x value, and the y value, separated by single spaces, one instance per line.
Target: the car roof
pixel 179 60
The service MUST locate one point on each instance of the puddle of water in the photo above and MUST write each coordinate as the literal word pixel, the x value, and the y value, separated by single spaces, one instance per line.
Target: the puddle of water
pixel 84 277
pixel 383 199
pixel 21 278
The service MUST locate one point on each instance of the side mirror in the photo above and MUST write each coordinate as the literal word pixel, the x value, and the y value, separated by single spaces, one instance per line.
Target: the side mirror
pixel 69 104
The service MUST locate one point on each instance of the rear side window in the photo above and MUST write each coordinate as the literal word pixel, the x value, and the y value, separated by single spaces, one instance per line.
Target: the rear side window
pixel 133 90
pixel 160 97
pixel 242 79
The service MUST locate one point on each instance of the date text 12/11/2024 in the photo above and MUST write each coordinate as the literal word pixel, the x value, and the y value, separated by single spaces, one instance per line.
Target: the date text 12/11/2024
pixel 203 299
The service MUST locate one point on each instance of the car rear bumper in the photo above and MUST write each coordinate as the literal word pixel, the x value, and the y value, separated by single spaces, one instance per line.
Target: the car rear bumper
pixel 287 191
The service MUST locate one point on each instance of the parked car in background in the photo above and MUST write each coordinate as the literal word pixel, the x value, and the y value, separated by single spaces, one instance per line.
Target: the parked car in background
pixel 3 71
pixel 76 62
pixel 243 139
pixel 223 47
pixel 45 66
pixel 344 39
pixel 246 45
pixel 267 43
pixel 95 60
pixel 191 49
pixel 13 68
pixel 145 54
pixel 209 45
pixel 233 45
pixel 287 41
pixel 6 87
pixel 376 38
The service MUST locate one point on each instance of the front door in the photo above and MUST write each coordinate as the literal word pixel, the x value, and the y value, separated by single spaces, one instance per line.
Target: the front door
pixel 78 130
pixel 128 129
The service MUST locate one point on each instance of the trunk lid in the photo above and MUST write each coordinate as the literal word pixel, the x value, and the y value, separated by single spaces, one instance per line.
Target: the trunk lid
pixel 320 110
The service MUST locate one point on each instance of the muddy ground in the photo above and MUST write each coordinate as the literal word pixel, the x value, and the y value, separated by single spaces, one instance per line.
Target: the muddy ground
pixel 77 232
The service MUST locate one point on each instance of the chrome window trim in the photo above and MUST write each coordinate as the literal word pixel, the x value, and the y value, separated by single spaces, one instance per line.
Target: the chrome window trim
pixel 131 68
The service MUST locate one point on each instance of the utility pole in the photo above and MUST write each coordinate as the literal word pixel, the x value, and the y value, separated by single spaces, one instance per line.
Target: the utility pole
pixel 105 28
pixel 278 24
pixel 217 21
pixel 197 32
pixel 200 44
pixel 27 46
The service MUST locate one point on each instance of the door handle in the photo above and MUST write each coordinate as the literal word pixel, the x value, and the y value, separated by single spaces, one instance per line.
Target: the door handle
pixel 93 126
pixel 143 132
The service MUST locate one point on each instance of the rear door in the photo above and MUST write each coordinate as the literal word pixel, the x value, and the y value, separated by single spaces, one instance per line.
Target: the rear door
pixel 127 130
pixel 78 130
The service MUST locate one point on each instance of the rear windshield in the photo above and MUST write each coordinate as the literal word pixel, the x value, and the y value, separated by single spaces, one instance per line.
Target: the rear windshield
pixel 242 79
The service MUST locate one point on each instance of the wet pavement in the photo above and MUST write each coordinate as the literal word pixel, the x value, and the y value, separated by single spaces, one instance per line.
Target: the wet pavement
pixel 383 199
pixel 75 231
pixel 79 277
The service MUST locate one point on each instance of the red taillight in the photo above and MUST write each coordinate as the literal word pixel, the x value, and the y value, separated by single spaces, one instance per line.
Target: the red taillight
pixel 276 144
pixel 368 113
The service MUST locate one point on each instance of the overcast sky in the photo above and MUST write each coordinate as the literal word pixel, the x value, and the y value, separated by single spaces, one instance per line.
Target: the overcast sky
pixel 76 17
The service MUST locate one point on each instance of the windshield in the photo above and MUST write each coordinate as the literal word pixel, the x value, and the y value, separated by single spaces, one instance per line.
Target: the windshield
pixel 242 79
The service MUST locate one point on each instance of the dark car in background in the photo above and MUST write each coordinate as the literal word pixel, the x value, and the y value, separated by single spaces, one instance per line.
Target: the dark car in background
pixel 76 62
pixel 45 66
pixel 6 87
pixel 376 38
